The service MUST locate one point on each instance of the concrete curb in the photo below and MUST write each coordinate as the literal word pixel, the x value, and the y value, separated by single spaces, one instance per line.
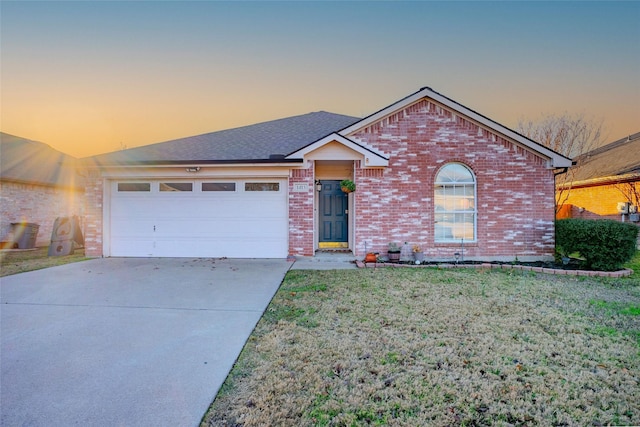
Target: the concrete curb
pixel 554 271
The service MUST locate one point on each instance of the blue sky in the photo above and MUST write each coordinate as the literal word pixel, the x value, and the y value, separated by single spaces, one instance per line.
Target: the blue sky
pixel 89 77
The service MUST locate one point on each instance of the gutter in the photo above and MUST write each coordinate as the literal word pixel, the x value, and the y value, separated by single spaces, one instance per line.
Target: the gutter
pixel 614 179
pixel 563 170
pixel 163 163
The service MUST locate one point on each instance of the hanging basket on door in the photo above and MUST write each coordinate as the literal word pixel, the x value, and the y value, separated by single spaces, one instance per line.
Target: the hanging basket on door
pixel 347 186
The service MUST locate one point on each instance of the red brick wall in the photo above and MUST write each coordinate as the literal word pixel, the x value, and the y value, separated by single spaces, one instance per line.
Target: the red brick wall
pixel 301 213
pixel 515 191
pixel 36 204
pixel 94 195
pixel 598 201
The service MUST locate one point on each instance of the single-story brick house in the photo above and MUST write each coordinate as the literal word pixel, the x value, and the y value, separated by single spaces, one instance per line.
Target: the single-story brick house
pixel 428 171
pixel 605 183
pixel 37 185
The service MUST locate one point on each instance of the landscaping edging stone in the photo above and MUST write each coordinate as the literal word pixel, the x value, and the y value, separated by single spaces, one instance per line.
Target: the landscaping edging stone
pixel 556 271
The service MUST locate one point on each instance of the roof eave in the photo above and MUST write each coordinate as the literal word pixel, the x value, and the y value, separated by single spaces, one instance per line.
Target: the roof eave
pixel 164 163
pixel 602 180
pixel 63 185
pixel 372 158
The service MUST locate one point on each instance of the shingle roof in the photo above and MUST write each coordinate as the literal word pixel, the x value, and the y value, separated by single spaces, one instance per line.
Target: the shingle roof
pixel 244 144
pixel 620 157
pixel 24 160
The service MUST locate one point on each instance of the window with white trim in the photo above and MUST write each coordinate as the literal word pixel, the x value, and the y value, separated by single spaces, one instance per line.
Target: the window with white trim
pixel 455 204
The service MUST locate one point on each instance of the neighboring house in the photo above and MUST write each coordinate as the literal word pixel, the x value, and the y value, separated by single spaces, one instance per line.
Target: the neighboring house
pixel 37 185
pixel 605 183
pixel 428 170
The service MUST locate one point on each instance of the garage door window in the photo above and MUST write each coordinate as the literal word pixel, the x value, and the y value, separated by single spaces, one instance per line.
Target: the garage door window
pixel 176 186
pixel 262 186
pixel 218 186
pixel 134 186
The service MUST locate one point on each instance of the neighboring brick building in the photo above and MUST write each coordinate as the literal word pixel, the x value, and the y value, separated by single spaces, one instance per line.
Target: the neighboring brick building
pixel 428 171
pixel 37 185
pixel 602 181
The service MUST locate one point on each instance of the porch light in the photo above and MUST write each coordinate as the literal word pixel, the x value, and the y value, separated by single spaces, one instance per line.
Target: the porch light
pixel 318 186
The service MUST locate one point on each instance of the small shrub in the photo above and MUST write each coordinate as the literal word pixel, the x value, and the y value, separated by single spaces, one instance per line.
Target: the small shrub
pixel 604 244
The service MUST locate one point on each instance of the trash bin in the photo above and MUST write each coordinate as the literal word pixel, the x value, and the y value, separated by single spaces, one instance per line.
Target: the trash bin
pixel 25 234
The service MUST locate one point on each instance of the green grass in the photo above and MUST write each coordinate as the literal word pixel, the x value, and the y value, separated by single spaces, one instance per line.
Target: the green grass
pixel 406 347
pixel 615 307
pixel 20 261
pixel 634 264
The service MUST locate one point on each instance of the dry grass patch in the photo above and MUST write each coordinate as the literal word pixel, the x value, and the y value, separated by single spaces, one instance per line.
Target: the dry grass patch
pixel 409 347
pixel 20 261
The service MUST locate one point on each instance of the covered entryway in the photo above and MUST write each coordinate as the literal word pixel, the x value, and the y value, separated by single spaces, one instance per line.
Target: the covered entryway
pixel 198 218
pixel 336 158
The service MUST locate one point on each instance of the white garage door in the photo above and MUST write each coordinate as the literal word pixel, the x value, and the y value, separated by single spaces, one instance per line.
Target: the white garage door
pixel 202 218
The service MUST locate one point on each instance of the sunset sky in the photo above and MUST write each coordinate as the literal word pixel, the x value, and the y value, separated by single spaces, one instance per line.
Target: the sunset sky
pixel 91 77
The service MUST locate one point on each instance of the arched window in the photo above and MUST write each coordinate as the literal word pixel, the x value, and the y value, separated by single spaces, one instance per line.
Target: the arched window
pixel 455 204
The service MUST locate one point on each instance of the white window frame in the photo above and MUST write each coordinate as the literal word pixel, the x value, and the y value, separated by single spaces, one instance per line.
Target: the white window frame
pixel 454 212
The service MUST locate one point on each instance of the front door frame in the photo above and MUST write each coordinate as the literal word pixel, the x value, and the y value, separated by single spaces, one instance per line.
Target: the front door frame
pixel 338 215
pixel 347 171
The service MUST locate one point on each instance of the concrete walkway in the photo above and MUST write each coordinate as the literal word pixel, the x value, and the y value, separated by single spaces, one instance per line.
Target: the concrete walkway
pixel 126 342
pixel 326 261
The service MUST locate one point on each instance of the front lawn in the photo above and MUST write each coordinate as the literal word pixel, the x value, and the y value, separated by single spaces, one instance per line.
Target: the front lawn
pixel 408 347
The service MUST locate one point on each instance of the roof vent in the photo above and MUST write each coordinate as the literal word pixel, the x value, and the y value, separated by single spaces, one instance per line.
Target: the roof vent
pixel 276 156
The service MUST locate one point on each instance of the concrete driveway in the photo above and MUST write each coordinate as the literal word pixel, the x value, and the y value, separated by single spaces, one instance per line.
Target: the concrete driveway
pixel 126 342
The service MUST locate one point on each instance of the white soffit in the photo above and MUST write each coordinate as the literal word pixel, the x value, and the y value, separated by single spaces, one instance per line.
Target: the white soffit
pixel 555 160
pixel 372 158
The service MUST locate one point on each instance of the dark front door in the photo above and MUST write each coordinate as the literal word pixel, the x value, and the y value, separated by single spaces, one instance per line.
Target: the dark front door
pixel 333 212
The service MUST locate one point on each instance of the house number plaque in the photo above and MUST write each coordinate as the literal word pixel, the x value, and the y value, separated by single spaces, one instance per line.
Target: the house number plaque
pixel 301 187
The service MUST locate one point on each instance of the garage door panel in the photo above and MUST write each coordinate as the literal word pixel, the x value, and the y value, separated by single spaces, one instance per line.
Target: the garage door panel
pixel 235 228
pixel 129 246
pixel 199 224
pixel 196 208
pixel 132 227
pixel 220 247
pixel 127 209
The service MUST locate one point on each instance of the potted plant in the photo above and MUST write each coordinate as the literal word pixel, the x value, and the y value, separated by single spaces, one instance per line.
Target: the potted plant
pixel 418 255
pixel 347 186
pixel 393 252
pixel 371 257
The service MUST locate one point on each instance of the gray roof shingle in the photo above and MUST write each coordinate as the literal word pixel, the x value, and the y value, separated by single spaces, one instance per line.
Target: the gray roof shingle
pixel 24 160
pixel 244 144
pixel 620 157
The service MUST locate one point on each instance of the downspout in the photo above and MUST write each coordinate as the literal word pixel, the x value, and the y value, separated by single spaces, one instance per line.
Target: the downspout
pixel 557 172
